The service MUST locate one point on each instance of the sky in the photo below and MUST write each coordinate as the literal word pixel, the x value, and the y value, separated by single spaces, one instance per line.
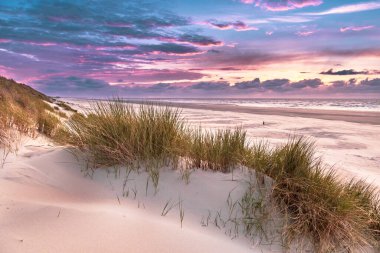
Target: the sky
pixel 193 48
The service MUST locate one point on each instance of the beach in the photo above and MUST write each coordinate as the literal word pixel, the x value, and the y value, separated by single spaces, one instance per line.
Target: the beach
pixel 49 203
pixel 345 139
pixel 364 117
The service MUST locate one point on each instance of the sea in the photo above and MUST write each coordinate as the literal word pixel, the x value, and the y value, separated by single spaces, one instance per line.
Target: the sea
pixel 321 104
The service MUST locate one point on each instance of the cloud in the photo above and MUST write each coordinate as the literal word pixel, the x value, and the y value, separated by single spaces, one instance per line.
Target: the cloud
pixel 236 25
pixel 210 86
pixel 28 56
pixel 311 83
pixel 373 85
pixel 103 26
pixel 199 40
pixel 366 86
pixel 278 85
pixel 254 84
pixel 169 48
pixel 275 84
pixel 305 33
pixel 161 87
pixel 72 84
pixel 283 5
pixel 372 52
pixel 245 59
pixel 356 28
pixel 344 72
pixel 351 8
pixel 84 87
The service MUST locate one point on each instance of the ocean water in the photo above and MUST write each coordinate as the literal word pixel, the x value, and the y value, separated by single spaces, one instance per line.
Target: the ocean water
pixel 321 104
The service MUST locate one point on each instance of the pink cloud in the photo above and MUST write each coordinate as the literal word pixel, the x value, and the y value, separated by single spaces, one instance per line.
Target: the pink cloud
pixel 305 33
pixel 348 9
pixel 283 5
pixel 43 44
pixel 5 71
pixel 356 28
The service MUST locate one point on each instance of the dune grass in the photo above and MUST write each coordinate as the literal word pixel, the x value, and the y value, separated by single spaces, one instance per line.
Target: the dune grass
pixel 47 123
pixel 29 112
pixel 333 215
pixel 65 106
pixel 318 207
pixel 116 133
pixel 222 150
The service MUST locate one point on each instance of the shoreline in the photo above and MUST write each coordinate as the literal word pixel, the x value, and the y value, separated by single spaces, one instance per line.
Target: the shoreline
pixel 363 117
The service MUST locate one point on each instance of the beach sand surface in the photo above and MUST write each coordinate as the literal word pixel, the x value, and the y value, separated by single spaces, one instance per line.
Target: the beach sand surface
pixel 48 204
pixel 348 141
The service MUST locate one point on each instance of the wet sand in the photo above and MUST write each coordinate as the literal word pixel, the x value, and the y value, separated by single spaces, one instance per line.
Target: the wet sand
pixel 348 116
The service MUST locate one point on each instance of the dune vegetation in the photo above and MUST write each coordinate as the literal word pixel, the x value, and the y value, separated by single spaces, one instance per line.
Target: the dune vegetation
pixel 29 112
pixel 317 206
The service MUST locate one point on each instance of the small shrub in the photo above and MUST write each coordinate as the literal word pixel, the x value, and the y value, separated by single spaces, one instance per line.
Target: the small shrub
pixel 47 123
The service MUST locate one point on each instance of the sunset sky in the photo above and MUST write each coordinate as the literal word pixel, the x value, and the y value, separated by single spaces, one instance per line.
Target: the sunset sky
pixel 193 48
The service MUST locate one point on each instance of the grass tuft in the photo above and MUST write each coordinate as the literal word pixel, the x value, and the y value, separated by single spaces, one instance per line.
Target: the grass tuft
pixel 221 151
pixel 332 214
pixel 47 124
pixel 116 133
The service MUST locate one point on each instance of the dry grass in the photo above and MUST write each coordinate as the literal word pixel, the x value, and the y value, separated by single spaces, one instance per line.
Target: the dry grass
pixel 331 214
pixel 222 150
pixel 47 124
pixel 318 208
pixel 115 133
pixel 26 110
pixel 65 106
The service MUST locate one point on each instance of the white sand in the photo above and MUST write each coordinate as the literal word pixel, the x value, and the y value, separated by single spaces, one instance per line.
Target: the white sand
pixel 47 205
pixel 352 148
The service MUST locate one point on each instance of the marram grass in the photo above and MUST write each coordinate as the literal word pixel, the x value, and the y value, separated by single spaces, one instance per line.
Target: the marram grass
pixel 330 214
pixel 115 133
pixel 333 215
pixel 25 110
pixel 222 150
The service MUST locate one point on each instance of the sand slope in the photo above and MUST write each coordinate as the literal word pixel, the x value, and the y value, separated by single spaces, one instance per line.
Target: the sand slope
pixel 47 205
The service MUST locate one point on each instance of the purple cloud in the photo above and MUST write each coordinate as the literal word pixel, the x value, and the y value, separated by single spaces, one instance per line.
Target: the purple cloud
pixel 344 72
pixel 282 5
pixel 82 87
pixel 236 25
pixel 356 28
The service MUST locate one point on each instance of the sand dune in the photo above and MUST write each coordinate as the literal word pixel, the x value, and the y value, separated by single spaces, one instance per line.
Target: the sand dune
pixel 351 147
pixel 47 205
